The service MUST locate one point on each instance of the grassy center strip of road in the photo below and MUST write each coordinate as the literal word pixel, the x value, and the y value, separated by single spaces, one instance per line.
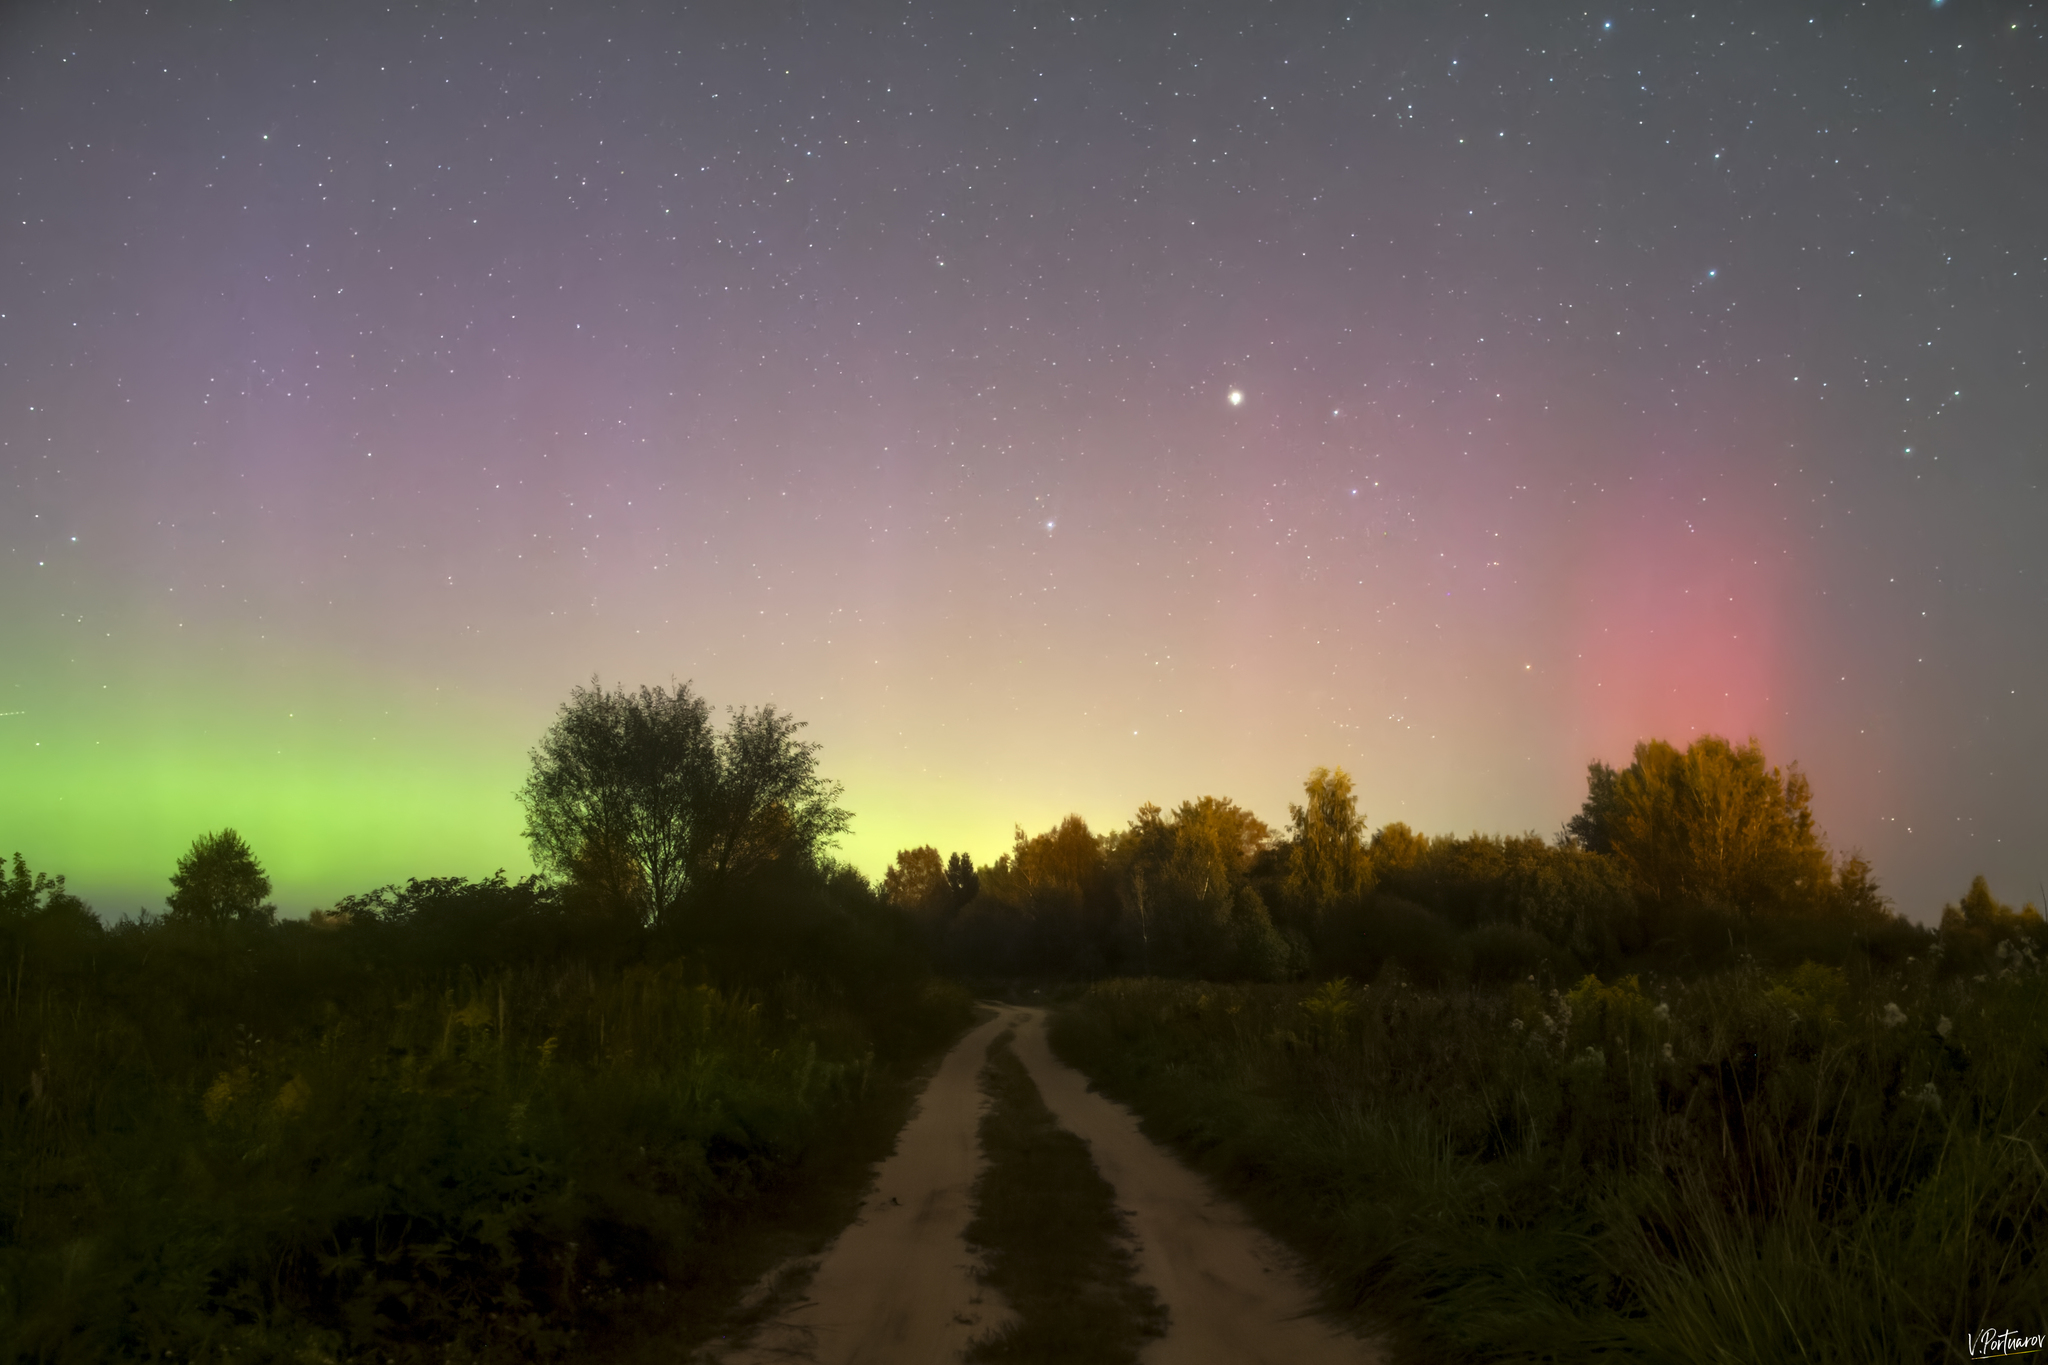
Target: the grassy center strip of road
pixel 1052 1239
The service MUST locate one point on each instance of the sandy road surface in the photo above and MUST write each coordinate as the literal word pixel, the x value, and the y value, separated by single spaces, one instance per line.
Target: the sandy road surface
pixel 1234 1296
pixel 898 1287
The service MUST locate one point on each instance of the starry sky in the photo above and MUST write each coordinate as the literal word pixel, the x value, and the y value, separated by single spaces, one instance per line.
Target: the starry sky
pixel 372 374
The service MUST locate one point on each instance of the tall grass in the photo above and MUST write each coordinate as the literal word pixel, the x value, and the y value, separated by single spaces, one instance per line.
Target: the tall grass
pixel 275 1143
pixel 1800 1166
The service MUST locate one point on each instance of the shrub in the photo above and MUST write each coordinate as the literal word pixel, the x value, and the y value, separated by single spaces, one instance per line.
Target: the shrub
pixel 450 1120
pixel 1501 953
pixel 1823 1163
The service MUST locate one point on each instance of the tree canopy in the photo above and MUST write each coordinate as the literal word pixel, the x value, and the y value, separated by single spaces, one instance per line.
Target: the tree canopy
pixel 765 800
pixel 1045 906
pixel 1983 932
pixel 962 877
pixel 219 881
pixel 1184 881
pixel 917 885
pixel 636 800
pixel 1711 825
pixel 617 789
pixel 25 896
pixel 1326 855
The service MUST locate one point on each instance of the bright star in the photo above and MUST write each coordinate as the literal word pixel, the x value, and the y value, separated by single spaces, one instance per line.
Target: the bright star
pixel 1236 398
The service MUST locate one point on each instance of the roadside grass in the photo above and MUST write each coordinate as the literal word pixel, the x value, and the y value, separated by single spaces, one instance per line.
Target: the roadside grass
pixel 1744 1167
pixel 338 1144
pixel 786 1225
pixel 1055 1245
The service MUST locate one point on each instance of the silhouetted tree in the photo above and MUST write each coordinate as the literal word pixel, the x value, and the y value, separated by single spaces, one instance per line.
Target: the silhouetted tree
pixel 1567 897
pixel 40 903
pixel 43 929
pixel 1326 853
pixel 766 801
pixel 1710 826
pixel 1138 855
pixel 1590 828
pixel 916 884
pixel 1183 883
pixel 960 875
pixel 616 801
pixel 218 882
pixel 634 799
pixel 1067 855
pixel 1857 897
pixel 25 896
pixel 1981 932
pixel 605 883
pixel 1047 906
pixel 1395 848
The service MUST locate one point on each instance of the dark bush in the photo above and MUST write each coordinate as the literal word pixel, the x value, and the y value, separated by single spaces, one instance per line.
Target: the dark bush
pixel 1501 953
pixel 453 1118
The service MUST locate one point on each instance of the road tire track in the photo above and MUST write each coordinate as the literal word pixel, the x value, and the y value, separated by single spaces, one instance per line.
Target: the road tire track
pixel 1234 1295
pixel 899 1286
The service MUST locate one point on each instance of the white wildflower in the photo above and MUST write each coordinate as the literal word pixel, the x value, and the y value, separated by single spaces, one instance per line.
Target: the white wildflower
pixel 1667 1053
pixel 1929 1096
pixel 1516 1025
pixel 1893 1015
pixel 1591 1057
pixel 1943 1026
pixel 1663 1012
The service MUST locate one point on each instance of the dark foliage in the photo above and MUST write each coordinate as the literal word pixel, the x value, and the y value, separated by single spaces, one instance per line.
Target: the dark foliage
pixel 220 881
pixel 1686 861
pixel 639 805
pixel 453 1119
pixel 961 876
pixel 1808 1164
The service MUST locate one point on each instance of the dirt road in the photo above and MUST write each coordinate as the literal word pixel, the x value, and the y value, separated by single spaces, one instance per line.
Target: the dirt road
pixel 899 1287
pixel 1234 1295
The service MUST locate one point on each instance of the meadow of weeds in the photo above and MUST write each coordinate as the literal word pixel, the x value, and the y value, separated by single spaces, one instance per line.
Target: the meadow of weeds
pixel 453 1122
pixel 1820 1164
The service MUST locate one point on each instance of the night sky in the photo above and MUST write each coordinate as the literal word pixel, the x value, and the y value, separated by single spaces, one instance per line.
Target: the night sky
pixel 370 376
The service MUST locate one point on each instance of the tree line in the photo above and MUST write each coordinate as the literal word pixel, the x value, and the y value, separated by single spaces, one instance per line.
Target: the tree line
pixel 647 816
pixel 1684 858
